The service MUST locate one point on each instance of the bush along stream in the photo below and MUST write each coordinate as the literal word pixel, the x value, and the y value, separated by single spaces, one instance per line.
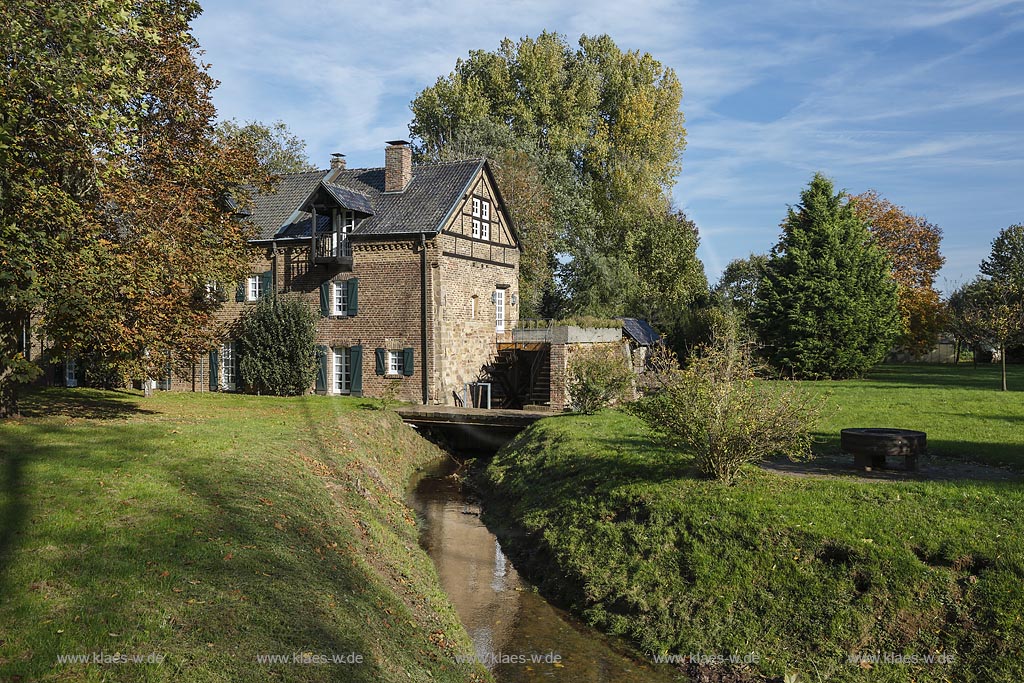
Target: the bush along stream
pixel 773 578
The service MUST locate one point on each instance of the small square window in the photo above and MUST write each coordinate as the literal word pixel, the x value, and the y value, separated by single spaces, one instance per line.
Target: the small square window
pixel 340 298
pixel 396 362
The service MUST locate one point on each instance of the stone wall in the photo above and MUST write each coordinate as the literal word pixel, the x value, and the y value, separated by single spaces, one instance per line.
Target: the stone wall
pixel 470 271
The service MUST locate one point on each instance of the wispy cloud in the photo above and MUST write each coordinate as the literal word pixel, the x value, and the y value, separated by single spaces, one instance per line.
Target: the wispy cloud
pixel 919 99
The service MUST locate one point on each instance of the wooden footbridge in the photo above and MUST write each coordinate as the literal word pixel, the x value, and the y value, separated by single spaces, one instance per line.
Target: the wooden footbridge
pixel 472 430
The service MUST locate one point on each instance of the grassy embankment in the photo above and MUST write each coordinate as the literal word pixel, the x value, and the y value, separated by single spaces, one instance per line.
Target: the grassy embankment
pixel 801 571
pixel 211 530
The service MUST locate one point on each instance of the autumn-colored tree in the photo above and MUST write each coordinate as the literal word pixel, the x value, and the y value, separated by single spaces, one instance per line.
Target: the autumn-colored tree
pixel 117 206
pixel 913 246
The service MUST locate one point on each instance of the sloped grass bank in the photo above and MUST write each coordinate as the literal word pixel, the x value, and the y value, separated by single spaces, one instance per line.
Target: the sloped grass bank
pixel 211 531
pixel 802 573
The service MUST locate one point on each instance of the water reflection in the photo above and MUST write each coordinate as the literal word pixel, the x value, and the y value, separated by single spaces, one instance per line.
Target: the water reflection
pixel 518 635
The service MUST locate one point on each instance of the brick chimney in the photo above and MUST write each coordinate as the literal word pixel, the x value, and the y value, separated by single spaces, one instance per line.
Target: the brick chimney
pixel 397 165
pixel 337 161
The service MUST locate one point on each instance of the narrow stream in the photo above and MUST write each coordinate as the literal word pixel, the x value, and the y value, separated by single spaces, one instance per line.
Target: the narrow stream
pixel 517 634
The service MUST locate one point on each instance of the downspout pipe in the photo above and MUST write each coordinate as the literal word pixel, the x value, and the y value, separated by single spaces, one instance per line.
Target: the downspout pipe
pixel 273 268
pixel 423 317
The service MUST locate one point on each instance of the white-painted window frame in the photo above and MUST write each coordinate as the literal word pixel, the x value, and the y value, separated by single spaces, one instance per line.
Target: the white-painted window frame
pixel 341 370
pixel 228 366
pixel 339 298
pixel 499 310
pixel 252 288
pixel 396 363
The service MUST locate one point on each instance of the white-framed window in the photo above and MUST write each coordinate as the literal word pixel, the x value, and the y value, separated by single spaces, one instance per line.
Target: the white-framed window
pixel 339 298
pixel 253 288
pixel 499 310
pixel 71 373
pixel 228 366
pixel 345 221
pixel 396 362
pixel 341 382
pixel 481 219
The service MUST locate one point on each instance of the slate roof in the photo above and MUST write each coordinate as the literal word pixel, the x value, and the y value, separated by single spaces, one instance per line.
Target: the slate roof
pixel 640 331
pixel 422 207
pixel 271 210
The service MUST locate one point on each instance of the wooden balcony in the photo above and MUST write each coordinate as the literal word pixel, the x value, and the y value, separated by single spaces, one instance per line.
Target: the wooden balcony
pixel 333 249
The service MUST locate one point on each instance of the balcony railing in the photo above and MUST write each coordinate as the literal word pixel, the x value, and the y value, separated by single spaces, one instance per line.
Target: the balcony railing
pixel 333 248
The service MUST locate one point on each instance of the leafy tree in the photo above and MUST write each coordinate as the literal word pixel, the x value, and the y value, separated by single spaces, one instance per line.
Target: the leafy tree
pixel 993 305
pixel 1005 264
pixel 962 317
pixel 912 245
pixel 113 195
pixel 737 290
pixel 277 149
pixel 278 351
pixel 739 282
pixel 828 303
pixel 994 311
pixel 723 414
pixel 603 130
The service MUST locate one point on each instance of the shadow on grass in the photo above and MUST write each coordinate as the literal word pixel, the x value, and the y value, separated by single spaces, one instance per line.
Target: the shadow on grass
pixel 967 460
pixel 14 509
pixel 266 600
pixel 88 404
pixel 984 377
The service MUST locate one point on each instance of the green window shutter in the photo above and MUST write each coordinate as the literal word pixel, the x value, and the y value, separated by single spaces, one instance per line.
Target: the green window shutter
pixel 352 295
pixel 267 283
pixel 407 362
pixel 240 292
pixel 325 299
pixel 356 363
pixel 321 369
pixel 214 369
pixel 382 361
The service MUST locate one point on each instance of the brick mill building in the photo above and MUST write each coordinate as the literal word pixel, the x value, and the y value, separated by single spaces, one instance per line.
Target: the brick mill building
pixel 412 268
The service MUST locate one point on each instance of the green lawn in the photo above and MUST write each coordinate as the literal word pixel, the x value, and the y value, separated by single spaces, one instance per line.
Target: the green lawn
pixel 210 530
pixel 804 572
pixel 959 407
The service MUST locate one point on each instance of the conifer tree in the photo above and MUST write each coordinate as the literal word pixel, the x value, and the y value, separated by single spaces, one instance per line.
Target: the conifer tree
pixel 827 306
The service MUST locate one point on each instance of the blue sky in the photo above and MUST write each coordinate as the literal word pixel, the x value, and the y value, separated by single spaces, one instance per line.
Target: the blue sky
pixel 921 100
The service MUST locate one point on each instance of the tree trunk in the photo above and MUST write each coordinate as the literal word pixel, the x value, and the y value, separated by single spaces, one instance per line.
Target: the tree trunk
pixel 1002 355
pixel 956 352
